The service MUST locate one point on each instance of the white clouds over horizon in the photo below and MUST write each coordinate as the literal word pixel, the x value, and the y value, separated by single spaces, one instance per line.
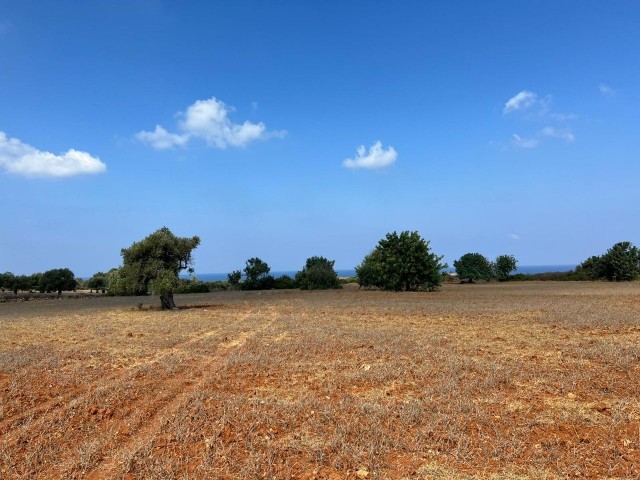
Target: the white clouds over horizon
pixel 561 133
pixel 208 120
pixel 376 158
pixel 22 159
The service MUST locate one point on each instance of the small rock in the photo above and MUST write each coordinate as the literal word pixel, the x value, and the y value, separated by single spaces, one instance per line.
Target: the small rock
pixel 362 473
pixel 571 396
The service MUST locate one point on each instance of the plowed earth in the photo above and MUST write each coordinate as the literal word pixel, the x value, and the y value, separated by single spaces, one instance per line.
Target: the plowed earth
pixel 504 381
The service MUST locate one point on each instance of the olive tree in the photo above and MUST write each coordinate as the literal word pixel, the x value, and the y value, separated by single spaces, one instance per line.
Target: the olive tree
pixel 401 262
pixel 257 275
pixel 154 264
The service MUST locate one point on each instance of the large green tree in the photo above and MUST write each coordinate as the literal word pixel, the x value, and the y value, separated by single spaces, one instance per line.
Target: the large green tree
pixel 154 263
pixel 98 282
pixel 473 266
pixel 401 262
pixel 317 274
pixel 503 266
pixel 57 280
pixel 621 262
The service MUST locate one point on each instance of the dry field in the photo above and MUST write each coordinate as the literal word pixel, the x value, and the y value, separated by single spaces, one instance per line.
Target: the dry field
pixel 495 381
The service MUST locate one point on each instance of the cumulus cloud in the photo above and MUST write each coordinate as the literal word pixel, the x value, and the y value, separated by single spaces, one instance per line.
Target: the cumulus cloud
pixel 208 120
pixel 561 133
pixel 22 159
pixel 522 100
pixel 377 157
pixel 522 142
pixel 161 139
pixel 606 90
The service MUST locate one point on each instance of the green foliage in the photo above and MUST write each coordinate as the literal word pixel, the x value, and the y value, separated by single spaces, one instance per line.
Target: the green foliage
pixel 318 274
pixel 621 262
pixel 257 275
pixel 97 282
pixel 503 266
pixel 473 266
pixel 7 279
pixel 154 263
pixel 401 262
pixel 56 280
pixel 591 269
pixel 234 278
pixel 193 285
pixel 284 282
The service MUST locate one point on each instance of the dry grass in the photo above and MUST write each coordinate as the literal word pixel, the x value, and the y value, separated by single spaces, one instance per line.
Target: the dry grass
pixel 509 381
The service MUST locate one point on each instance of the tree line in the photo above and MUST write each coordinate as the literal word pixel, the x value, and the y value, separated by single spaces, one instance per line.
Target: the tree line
pixel 399 262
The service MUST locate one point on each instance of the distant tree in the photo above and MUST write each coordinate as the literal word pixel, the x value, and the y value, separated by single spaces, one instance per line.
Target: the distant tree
pixel 234 278
pixel 154 264
pixel 591 269
pixel 284 282
pixel 7 280
pixel 97 282
pixel 473 266
pixel 57 280
pixel 318 274
pixel 257 275
pixel 621 262
pixel 401 262
pixel 503 266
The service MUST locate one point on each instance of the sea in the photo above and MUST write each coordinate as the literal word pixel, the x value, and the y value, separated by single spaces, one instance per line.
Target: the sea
pixel 527 269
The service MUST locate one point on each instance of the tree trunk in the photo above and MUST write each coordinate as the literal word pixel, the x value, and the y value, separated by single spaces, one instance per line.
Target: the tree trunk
pixel 59 293
pixel 166 299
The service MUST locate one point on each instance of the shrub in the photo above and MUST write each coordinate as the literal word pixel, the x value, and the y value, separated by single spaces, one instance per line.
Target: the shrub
pixel 473 266
pixel 317 274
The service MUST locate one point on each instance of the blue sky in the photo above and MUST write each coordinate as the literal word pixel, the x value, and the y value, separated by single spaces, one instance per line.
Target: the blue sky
pixel 286 129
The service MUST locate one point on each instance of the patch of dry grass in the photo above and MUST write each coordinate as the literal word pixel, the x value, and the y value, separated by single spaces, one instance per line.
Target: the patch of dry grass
pixel 508 381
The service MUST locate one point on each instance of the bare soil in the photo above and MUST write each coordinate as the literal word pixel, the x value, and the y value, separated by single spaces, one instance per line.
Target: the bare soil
pixel 535 380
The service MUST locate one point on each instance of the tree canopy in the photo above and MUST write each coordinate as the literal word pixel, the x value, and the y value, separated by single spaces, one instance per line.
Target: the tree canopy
pixel 401 262
pixel 317 274
pixel 257 275
pixel 57 280
pixel 503 266
pixel 154 263
pixel 473 266
pixel 620 263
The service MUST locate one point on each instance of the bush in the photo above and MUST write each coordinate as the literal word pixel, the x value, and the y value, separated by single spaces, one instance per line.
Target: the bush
pixel 192 286
pixel 284 282
pixel 401 262
pixel 318 274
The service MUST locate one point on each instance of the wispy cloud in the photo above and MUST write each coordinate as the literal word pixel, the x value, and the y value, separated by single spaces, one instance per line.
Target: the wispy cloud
pixel 561 133
pixel 522 142
pixel 22 159
pixel 5 26
pixel 520 101
pixel 514 236
pixel 208 120
pixel 377 157
pixel 606 90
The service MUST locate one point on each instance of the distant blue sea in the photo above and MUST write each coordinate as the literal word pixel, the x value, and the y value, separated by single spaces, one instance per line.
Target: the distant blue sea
pixel 214 277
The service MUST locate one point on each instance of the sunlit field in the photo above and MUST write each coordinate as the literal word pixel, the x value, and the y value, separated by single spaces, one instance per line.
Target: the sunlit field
pixel 503 381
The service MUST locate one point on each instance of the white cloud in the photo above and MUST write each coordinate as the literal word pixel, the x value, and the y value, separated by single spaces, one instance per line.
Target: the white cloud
pixel 22 159
pixel 208 120
pixel 522 100
pixel 606 90
pixel 161 139
pixel 561 133
pixel 514 236
pixel 522 142
pixel 377 157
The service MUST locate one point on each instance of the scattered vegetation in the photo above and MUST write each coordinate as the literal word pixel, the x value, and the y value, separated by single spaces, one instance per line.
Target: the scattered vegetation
pixel 257 275
pixel 472 267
